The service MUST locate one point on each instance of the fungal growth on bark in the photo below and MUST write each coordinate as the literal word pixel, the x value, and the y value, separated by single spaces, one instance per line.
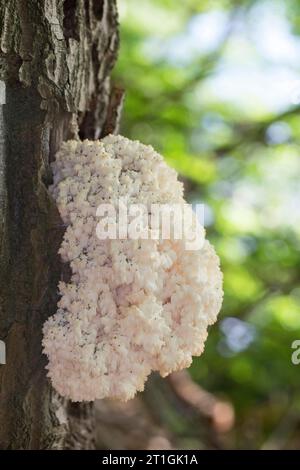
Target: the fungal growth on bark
pixel 132 306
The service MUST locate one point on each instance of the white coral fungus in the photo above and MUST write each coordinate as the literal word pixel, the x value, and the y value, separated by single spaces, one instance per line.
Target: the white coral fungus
pixel 131 306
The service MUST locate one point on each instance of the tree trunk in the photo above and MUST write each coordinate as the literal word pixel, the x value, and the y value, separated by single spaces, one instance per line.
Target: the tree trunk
pixel 55 61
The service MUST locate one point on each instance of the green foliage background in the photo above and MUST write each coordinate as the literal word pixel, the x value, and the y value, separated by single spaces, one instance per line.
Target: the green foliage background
pixel 239 153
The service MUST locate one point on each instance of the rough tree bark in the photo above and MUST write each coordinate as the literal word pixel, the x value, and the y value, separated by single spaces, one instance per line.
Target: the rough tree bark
pixel 55 60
